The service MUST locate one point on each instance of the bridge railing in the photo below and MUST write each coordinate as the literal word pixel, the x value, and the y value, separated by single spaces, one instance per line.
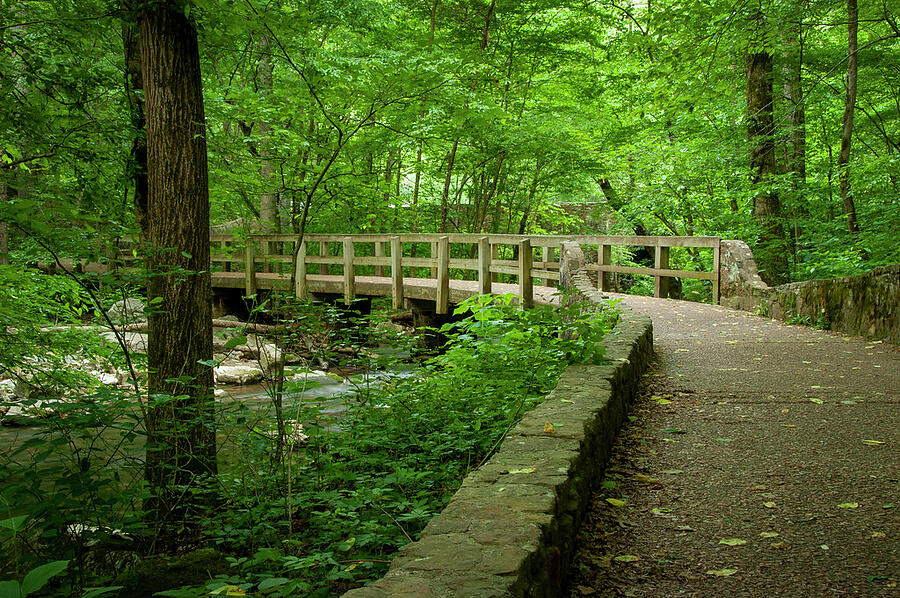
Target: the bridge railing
pixel 484 258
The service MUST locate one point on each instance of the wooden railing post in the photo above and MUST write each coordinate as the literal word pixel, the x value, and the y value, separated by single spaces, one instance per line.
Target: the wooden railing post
pixel 545 257
pixel 434 254
pixel 379 252
pixel 717 263
pixel 526 285
pixel 442 298
pixel 250 267
pixel 484 266
pixel 495 255
pixel 661 283
pixel 349 274
pixel 396 273
pixel 323 252
pixel 300 290
pixel 604 258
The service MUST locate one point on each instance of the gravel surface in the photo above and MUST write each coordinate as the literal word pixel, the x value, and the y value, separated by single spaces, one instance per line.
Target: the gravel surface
pixel 761 459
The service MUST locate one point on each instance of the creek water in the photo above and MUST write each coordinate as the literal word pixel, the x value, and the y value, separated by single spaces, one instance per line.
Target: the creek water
pixel 310 398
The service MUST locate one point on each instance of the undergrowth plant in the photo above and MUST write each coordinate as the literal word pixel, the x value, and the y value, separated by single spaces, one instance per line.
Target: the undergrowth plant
pixel 368 484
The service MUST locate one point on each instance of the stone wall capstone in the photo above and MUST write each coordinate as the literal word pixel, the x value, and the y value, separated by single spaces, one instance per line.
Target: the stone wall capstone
pixel 863 305
pixel 510 529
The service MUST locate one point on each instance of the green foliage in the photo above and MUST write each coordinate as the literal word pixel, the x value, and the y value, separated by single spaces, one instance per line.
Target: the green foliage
pixel 363 487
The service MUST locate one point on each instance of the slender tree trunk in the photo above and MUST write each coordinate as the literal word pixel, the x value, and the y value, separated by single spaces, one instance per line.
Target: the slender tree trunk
pixel 134 92
pixel 268 199
pixel 849 104
pixel 795 154
pixel 771 253
pixel 180 424
pixel 447 178
pixel 4 229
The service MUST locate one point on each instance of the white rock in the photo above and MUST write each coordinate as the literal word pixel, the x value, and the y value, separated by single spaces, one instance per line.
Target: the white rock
pixel 135 341
pixel 127 311
pixel 238 374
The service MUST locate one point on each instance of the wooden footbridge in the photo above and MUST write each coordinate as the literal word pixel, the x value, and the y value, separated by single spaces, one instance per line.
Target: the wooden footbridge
pixel 431 267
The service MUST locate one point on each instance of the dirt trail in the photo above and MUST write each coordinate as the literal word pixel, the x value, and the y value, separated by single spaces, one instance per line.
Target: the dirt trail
pixel 782 441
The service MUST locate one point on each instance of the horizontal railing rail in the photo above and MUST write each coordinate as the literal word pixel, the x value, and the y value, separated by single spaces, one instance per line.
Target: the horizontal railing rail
pixel 480 257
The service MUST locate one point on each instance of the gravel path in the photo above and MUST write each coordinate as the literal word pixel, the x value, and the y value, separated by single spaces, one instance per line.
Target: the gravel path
pixel 761 460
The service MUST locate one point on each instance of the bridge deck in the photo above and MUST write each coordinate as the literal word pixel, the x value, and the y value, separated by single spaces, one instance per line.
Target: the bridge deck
pixel 376 286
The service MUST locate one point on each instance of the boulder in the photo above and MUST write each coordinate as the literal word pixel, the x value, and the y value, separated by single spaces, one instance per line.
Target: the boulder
pixel 127 311
pixel 238 374
pixel 135 341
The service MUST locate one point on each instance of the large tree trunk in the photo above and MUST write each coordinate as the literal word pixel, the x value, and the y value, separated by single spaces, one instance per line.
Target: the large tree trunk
pixel 180 421
pixel 134 92
pixel 268 199
pixel 849 104
pixel 771 254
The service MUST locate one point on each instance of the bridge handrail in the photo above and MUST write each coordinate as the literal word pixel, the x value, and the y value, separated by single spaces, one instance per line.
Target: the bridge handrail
pixel 487 262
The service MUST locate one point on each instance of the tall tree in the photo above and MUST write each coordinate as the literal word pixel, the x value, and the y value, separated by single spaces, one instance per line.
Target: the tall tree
pixel 849 104
pixel 771 254
pixel 179 421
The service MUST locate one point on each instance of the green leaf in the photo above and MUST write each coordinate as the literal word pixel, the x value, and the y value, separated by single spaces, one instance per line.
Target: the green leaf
pixel 39 576
pixel 848 505
pixel 815 400
pixel 273 582
pixel 10 589
pixel 208 362
pixel 92 592
pixel 732 541
pixel 627 558
pixel 722 572
pixel 769 535
pixel 235 341
pixel 616 502
pixel 14 523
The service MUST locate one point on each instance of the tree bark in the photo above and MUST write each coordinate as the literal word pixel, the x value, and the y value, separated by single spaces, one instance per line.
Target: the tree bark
pixel 4 229
pixel 849 104
pixel 268 199
pixel 181 444
pixel 795 140
pixel 771 254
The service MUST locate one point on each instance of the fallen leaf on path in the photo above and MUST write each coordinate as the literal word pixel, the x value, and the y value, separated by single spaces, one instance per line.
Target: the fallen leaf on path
pixel 627 558
pixel 769 535
pixel 672 471
pixel 815 400
pixel 777 546
pixel 585 591
pixel 873 442
pixel 732 541
pixel 645 479
pixel 660 512
pixel 824 547
pixel 523 470
pixel 721 572
pixel 616 502
pixel 877 535
pixel 769 505
pixel 549 428
pixel 848 505
pixel 724 439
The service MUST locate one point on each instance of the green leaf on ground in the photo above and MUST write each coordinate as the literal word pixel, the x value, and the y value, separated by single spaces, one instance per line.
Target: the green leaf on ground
pixel 672 471
pixel 848 505
pixel 627 558
pixel 815 400
pixel 724 439
pixel 732 541
pixel 721 572
pixel 616 502
pixel 769 535
pixel 523 470
pixel 873 442
pixel 673 431
pixel 769 505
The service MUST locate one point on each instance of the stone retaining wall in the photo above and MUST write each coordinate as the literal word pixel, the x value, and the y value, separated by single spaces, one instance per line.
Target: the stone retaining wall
pixel 510 529
pixel 864 305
